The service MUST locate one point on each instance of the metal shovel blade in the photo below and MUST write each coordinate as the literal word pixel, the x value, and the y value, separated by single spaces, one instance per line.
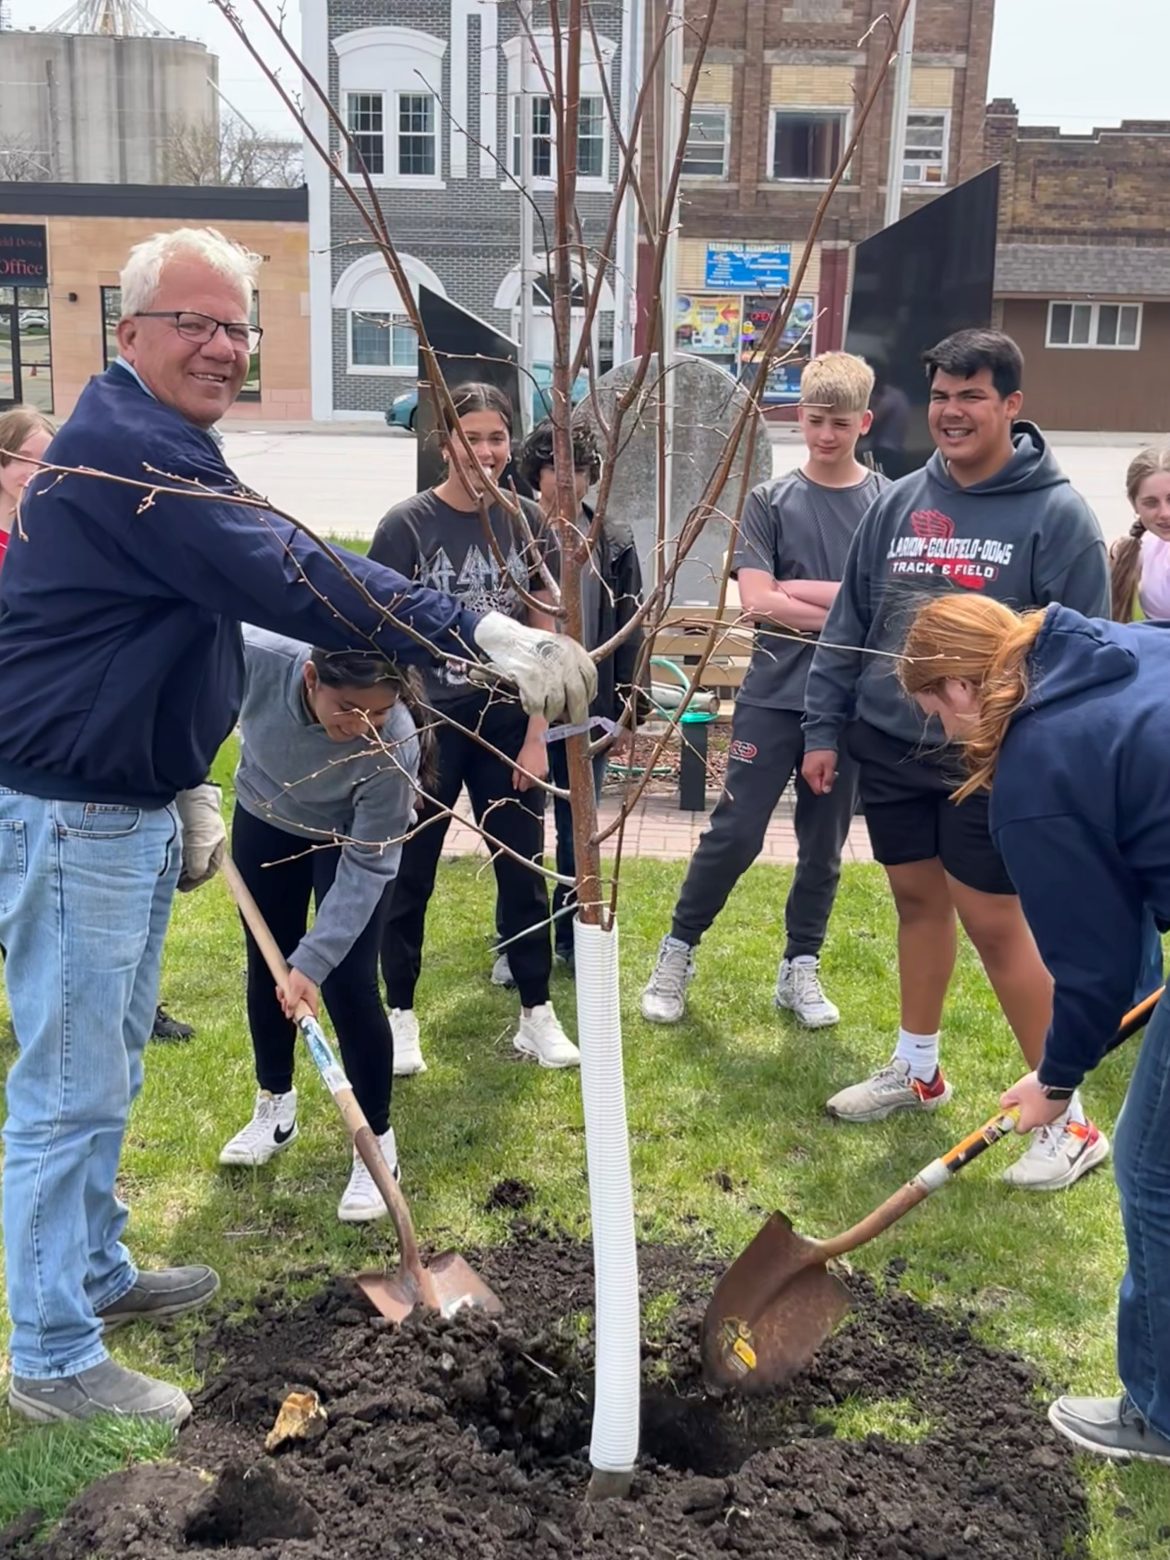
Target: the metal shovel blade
pixel 771 1311
pixel 450 1284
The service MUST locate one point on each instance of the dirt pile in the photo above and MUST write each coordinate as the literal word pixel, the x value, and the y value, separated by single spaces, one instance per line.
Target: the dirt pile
pixel 470 1438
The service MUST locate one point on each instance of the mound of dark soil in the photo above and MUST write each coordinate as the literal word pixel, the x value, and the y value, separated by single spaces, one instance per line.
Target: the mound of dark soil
pixel 470 1438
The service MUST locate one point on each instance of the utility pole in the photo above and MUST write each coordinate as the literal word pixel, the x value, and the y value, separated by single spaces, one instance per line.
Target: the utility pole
pixel 895 174
pixel 670 134
pixel 625 282
pixel 527 227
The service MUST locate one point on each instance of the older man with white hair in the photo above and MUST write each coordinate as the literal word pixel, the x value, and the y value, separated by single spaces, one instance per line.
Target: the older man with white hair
pixel 120 676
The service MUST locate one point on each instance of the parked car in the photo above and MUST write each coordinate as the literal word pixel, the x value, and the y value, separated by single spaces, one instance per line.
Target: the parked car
pixel 403 410
pixel 34 319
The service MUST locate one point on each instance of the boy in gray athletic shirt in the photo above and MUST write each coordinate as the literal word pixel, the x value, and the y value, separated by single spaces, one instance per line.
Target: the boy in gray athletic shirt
pixel 793 540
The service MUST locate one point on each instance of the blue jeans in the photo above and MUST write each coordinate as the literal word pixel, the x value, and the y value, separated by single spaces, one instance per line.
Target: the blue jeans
pixel 1150 974
pixel 1141 1149
pixel 85 895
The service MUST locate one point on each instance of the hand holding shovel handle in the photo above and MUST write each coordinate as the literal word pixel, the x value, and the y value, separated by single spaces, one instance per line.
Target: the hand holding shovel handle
pixel 779 1300
pixel 335 1080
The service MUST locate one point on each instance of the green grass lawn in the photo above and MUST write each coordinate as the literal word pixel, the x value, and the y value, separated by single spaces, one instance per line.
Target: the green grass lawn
pixel 735 1090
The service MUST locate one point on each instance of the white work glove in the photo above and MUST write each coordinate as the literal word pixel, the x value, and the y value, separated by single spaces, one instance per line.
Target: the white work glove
pixel 204 835
pixel 554 674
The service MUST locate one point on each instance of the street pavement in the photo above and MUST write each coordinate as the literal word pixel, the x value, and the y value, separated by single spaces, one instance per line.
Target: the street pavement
pixel 342 482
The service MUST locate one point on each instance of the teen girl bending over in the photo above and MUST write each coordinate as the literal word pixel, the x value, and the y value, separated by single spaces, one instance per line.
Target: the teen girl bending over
pixel 1063 719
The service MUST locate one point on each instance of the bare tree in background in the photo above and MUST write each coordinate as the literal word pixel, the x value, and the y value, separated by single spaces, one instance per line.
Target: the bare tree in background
pixel 231 153
pixel 23 163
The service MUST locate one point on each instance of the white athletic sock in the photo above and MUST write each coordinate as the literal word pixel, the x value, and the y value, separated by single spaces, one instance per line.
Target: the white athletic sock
pixel 1075 1114
pixel 919 1052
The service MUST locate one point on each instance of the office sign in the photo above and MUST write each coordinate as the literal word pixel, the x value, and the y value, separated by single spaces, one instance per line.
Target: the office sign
pixel 24 255
pixel 749 267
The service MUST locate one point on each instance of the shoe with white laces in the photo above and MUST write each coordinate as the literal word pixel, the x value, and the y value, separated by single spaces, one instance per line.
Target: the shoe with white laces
pixel 408 1057
pixel 502 973
pixel 1058 1156
pixel 362 1201
pixel 799 992
pixel 540 1036
pixel 273 1126
pixel 891 1088
pixel 664 1000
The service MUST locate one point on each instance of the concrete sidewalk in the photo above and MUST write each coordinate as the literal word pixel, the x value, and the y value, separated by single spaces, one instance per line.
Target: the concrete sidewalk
pixel 659 831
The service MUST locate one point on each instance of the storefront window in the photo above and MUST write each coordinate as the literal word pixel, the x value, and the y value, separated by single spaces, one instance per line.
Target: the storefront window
pixel 727 329
pixel 112 313
pixel 26 361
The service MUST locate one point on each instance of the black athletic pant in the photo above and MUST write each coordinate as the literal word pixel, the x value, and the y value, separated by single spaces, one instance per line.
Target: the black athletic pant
pixel 766 749
pixel 283 870
pixel 514 818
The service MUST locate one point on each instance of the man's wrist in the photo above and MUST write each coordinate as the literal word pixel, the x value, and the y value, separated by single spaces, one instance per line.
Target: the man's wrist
pixel 1058 1092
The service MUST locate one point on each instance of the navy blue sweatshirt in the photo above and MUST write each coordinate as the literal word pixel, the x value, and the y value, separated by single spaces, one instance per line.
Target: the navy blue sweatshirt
pixel 121 666
pixel 1080 810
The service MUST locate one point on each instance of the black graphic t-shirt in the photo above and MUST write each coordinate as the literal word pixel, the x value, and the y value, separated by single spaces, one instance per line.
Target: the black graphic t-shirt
pixel 445 548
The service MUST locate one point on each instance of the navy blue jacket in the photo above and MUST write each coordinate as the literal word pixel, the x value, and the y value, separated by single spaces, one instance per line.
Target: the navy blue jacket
pixel 1080 810
pixel 121 667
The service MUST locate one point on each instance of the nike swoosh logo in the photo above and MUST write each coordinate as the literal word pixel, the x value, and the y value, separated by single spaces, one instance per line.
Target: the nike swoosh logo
pixel 281 1135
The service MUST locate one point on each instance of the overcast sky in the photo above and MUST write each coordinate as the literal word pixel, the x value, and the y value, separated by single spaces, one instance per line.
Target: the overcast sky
pixel 1060 70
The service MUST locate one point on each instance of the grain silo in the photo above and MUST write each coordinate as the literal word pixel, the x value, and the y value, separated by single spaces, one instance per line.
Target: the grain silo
pixel 96 95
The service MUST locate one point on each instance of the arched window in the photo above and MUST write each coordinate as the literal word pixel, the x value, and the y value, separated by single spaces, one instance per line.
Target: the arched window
pixel 389 82
pixel 379 336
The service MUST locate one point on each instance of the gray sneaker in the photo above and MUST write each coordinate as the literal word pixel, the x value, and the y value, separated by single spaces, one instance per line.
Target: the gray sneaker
pixel 155 1297
pixel 108 1388
pixel 891 1088
pixel 1111 1427
pixel 664 1000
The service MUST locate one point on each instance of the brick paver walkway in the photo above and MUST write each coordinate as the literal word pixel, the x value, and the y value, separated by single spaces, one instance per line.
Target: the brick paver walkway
pixel 658 829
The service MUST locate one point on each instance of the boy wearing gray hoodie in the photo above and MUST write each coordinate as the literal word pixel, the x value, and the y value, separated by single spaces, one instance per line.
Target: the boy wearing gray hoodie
pixel 992 512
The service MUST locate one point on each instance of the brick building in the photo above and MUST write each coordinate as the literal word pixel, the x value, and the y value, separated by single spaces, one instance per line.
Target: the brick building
pixel 1083 268
pixel 432 91
pixel 62 247
pixel 780 86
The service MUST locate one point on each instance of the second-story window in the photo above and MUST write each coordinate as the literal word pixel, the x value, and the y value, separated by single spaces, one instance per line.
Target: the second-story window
pixel 706 150
pixel 925 159
pixel 390 93
pixel 590 137
pixel 365 121
pixel 416 133
pixel 807 143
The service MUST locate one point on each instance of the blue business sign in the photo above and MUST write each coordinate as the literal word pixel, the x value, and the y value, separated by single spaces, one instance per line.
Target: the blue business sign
pixel 749 268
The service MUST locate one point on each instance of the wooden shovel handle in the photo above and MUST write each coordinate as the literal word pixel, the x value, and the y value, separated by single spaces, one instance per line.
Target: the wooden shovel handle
pixel 335 1080
pixel 915 1191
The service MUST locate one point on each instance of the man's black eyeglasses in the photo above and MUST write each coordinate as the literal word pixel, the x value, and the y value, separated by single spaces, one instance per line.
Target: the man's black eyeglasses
pixel 201 327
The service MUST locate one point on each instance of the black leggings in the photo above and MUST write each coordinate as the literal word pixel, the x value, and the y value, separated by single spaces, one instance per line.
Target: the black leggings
pixel 515 818
pixel 301 868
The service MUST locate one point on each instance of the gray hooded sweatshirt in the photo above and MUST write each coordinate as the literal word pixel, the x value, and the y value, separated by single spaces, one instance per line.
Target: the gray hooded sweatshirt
pixel 1023 537
pixel 292 776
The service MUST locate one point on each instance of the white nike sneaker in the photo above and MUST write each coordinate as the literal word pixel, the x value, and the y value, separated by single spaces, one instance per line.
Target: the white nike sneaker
pixel 502 972
pixel 799 992
pixel 1058 1156
pixel 362 1201
pixel 893 1087
pixel 540 1036
pixel 408 1057
pixel 664 1000
pixel 273 1126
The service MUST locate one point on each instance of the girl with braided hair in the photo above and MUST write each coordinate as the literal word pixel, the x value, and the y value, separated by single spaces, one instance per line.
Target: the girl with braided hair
pixel 1140 562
